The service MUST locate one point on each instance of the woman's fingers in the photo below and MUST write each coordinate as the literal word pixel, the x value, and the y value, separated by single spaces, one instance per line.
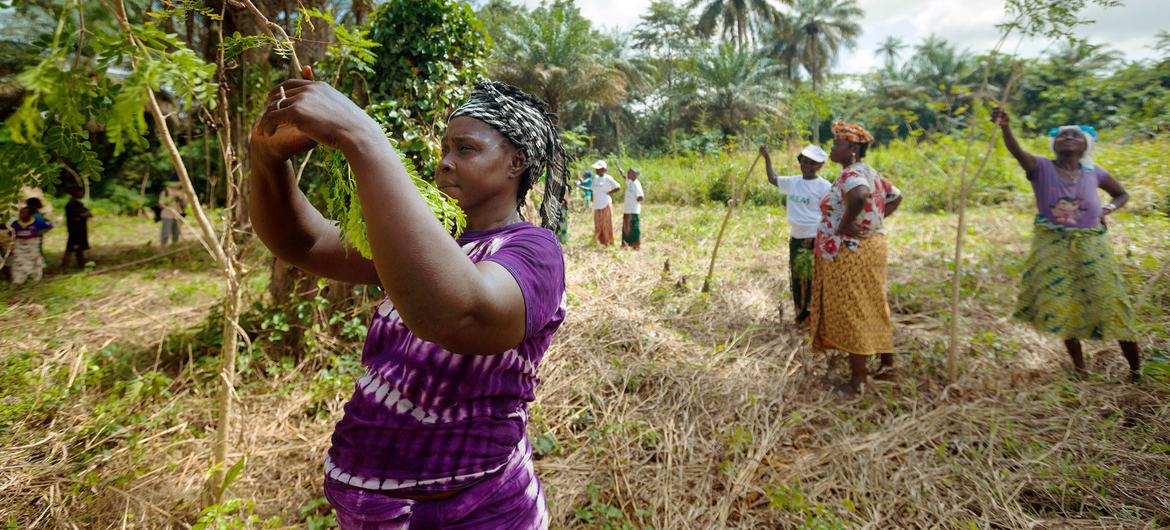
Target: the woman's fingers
pixel 307 72
pixel 278 112
pixel 287 85
pixel 289 92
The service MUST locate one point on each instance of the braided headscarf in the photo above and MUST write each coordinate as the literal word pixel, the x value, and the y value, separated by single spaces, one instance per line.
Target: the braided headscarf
pixel 525 121
pixel 851 132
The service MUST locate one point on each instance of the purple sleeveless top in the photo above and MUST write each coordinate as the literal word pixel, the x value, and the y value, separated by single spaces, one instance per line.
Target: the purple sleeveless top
pixel 1065 203
pixel 425 420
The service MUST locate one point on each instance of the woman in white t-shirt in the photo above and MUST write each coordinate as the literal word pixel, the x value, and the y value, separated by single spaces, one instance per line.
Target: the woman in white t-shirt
pixel 603 186
pixel 805 192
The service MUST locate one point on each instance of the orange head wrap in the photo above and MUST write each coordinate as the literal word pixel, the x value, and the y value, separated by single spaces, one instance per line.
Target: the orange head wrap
pixel 851 132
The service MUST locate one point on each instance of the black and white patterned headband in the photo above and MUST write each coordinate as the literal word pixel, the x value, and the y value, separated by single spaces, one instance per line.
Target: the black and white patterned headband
pixel 523 119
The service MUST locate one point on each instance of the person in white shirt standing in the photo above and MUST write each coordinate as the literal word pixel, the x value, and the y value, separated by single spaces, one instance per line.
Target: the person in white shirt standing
pixel 632 211
pixel 805 192
pixel 603 186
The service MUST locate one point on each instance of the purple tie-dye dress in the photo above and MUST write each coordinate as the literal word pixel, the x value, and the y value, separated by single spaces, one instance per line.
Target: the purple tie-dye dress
pixel 424 420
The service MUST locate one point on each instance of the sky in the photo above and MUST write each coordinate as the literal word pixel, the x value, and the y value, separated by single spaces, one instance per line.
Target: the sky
pixel 1129 29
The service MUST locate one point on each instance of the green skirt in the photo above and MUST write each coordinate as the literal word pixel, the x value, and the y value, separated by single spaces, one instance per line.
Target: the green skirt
pixel 1072 285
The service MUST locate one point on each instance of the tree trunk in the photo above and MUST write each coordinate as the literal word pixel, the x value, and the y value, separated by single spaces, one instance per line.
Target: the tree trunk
pixel 227 374
pixel 360 9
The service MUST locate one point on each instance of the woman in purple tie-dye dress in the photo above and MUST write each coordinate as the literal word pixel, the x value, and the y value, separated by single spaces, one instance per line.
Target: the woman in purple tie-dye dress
pixel 434 435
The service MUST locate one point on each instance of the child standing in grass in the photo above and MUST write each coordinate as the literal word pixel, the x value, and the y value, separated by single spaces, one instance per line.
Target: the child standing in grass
pixel 26 260
pixel 805 192
pixel 35 204
pixel 585 183
pixel 631 211
pixel 77 223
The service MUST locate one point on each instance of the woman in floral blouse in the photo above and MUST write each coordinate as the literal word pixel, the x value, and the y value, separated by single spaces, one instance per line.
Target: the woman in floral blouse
pixel 849 310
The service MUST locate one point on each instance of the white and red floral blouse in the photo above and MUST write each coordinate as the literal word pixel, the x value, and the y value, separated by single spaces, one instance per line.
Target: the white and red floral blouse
pixel 868 222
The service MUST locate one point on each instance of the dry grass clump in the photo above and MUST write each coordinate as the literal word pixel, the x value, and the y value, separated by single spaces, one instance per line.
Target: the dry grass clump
pixel 660 406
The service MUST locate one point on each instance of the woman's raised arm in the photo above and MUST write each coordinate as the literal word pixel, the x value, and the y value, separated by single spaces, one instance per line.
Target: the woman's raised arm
pixel 1027 160
pixel 440 294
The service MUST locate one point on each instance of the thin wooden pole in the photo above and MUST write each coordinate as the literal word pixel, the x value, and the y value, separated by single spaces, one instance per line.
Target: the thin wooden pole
pixel 722 228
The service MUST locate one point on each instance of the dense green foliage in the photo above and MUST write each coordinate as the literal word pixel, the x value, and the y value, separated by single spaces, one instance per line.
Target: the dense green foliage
pixel 96 83
pixel 65 98
pixel 668 85
pixel 430 54
pixel 413 62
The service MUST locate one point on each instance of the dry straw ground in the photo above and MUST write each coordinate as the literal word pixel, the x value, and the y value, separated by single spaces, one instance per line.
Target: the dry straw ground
pixel 661 407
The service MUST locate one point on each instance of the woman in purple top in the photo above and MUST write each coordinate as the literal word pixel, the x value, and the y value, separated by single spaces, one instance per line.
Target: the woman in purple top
pixel 434 435
pixel 1072 285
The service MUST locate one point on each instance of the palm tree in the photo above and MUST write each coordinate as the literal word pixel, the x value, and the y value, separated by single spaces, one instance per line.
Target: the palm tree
pixel 945 75
pixel 821 29
pixel 743 18
pixel 733 84
pixel 783 44
pixel 891 48
pixel 1075 58
pixel 555 53
pixel 1162 45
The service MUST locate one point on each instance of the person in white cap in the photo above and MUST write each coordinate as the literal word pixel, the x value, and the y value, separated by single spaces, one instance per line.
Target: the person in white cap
pixel 603 186
pixel 805 192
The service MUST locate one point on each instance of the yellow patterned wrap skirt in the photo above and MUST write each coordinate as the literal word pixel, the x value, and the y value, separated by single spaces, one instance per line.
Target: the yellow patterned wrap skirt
pixel 849 309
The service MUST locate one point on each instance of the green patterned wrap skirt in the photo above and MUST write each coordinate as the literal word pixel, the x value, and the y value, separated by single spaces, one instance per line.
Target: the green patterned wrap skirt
pixel 1072 285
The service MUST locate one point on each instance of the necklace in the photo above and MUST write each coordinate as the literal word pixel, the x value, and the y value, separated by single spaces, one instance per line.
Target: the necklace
pixel 1072 176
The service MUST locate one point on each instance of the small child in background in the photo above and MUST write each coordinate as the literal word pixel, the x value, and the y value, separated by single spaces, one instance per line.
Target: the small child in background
pixel 77 223
pixel 632 211
pixel 585 183
pixel 26 260
pixel 36 205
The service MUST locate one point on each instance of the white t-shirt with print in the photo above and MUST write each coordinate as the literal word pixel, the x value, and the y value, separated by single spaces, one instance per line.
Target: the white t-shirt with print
pixel 804 203
pixel 601 188
pixel 633 191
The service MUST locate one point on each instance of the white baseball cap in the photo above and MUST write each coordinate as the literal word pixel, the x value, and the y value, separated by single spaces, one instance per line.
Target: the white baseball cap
pixel 600 164
pixel 815 153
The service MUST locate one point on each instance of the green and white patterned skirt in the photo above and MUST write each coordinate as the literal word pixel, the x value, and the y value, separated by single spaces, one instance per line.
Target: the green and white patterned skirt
pixel 1072 285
